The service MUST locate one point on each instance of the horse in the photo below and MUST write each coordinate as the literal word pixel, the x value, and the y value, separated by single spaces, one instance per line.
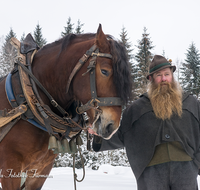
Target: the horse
pixel 96 83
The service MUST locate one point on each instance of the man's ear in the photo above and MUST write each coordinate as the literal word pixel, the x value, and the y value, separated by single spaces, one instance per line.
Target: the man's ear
pixel 150 78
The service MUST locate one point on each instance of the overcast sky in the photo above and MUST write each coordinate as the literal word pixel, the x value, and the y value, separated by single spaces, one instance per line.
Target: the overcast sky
pixel 173 24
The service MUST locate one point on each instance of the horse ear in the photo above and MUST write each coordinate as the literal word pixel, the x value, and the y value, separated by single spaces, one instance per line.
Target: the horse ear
pixel 101 40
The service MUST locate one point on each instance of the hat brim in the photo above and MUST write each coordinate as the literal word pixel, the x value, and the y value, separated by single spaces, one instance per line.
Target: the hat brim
pixel 166 66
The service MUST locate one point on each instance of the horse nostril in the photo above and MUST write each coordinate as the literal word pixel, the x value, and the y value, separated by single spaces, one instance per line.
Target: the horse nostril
pixel 109 129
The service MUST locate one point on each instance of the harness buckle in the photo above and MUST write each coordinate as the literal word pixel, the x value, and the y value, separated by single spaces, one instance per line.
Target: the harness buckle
pixel 95 54
pixel 86 56
pixel 54 103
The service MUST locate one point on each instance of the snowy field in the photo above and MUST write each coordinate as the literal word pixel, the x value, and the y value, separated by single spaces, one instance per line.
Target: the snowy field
pixel 106 178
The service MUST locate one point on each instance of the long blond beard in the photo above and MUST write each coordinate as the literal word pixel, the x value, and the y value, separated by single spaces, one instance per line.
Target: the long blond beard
pixel 166 99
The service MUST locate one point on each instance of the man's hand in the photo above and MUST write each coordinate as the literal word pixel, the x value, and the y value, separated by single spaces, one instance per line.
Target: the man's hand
pixel 91 131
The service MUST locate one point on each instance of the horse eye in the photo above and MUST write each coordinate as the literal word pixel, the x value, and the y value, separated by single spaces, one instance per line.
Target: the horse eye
pixel 104 72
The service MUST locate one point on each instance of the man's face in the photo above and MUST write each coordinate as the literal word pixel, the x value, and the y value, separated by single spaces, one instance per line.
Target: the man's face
pixel 165 94
pixel 164 75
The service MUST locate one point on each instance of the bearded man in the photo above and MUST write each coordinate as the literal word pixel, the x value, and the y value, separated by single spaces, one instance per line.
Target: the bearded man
pixel 161 133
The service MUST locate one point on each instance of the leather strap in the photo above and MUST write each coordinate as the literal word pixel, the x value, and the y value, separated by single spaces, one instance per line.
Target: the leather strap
pixel 92 67
pixel 5 129
pixel 53 102
pixel 80 63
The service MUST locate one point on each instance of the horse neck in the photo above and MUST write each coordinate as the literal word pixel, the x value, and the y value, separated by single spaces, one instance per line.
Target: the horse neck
pixel 53 68
pixel 52 77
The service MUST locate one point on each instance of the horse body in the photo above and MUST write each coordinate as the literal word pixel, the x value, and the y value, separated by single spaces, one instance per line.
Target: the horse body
pixel 25 147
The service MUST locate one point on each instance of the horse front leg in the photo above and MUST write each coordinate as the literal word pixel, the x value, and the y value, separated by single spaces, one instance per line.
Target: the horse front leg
pixel 39 172
pixel 10 184
pixel 11 176
pixel 36 178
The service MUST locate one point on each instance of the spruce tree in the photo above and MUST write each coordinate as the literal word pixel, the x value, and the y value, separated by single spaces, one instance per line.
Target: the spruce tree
pixel 125 41
pixel 68 29
pixel 38 36
pixel 22 37
pixel 7 54
pixel 143 58
pixel 79 27
pixel 190 72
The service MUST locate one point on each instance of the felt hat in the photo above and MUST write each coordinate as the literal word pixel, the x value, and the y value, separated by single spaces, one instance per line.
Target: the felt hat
pixel 158 63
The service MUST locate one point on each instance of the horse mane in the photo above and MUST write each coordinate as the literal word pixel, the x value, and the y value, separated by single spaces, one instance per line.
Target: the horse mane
pixel 122 71
pixel 121 67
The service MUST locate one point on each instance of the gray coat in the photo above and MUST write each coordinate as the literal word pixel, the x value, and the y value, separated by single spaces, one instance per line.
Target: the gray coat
pixel 140 132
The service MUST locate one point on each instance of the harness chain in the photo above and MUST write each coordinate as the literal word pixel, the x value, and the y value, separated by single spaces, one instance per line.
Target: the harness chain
pixel 63 122
pixel 35 101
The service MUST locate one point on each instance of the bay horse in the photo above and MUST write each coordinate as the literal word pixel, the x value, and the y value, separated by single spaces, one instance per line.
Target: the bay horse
pixel 25 147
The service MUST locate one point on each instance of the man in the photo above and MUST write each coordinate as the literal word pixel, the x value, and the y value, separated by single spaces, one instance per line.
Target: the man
pixel 161 133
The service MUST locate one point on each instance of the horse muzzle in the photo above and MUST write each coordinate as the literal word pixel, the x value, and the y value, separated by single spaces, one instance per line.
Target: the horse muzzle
pixel 105 126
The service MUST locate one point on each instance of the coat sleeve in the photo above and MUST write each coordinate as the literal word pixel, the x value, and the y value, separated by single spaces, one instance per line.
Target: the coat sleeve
pixel 115 142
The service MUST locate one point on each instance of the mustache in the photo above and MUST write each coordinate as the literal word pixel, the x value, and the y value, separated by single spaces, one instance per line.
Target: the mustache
pixel 163 86
pixel 164 83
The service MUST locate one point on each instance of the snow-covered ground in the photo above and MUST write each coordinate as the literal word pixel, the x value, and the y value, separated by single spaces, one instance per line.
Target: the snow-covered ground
pixel 106 178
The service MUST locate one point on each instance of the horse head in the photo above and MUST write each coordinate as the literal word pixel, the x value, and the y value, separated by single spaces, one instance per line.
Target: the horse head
pixel 95 71
pixel 112 77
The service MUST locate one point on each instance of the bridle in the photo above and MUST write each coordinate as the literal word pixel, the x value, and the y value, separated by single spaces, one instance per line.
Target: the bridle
pixel 95 101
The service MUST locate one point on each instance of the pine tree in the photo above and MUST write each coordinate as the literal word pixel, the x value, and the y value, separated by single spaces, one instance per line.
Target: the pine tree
pixel 125 41
pixel 68 29
pixel 190 72
pixel 7 54
pixel 79 27
pixel 143 58
pixel 22 37
pixel 38 36
pixel 163 54
pixel 178 64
